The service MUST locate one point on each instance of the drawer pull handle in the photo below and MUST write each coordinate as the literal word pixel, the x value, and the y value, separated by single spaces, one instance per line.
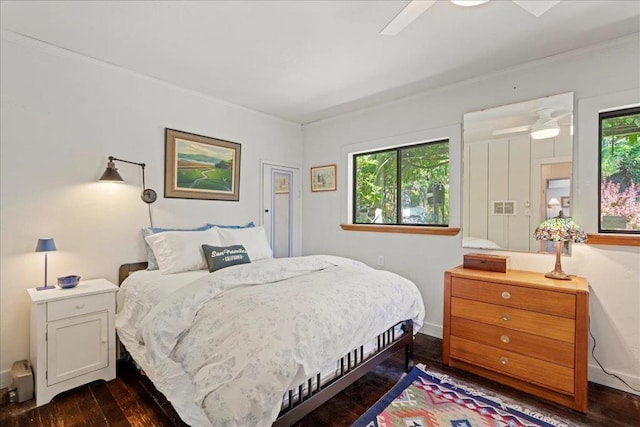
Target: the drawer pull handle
pixel 506 295
pixel 79 306
pixel 504 361
pixel 504 339
pixel 103 341
pixel 505 317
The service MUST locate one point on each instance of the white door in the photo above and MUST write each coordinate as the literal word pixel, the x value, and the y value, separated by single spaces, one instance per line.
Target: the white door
pixel 281 208
pixel 77 345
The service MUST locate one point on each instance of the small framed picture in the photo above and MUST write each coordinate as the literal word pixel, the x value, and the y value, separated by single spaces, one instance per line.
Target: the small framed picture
pixel 565 202
pixel 323 178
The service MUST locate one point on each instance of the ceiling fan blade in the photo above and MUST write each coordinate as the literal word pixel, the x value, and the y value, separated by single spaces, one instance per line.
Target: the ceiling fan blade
pixel 406 16
pixel 536 7
pixel 515 129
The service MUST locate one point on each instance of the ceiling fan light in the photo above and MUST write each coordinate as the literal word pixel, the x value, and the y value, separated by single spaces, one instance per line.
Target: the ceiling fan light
pixel 549 130
pixel 468 3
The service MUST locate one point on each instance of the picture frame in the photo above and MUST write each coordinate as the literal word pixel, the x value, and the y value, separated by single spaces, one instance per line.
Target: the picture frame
pixel 201 167
pixel 323 178
pixel 565 202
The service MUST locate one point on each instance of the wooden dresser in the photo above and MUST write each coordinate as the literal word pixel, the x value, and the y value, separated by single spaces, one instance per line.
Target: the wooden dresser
pixel 521 329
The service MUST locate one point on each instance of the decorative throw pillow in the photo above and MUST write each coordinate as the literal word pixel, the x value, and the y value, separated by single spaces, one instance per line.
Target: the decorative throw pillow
pixel 178 251
pixel 219 257
pixel 254 239
pixel 148 231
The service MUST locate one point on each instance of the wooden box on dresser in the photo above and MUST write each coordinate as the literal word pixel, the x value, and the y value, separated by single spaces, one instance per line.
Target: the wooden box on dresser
pixel 521 329
pixel 73 337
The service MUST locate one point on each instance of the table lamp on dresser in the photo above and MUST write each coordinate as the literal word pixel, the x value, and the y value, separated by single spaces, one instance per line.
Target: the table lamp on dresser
pixel 560 229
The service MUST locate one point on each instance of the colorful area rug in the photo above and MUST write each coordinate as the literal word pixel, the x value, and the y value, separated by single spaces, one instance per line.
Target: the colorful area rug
pixel 427 399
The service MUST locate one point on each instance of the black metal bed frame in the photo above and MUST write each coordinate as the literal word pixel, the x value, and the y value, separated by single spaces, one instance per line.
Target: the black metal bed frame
pixel 309 398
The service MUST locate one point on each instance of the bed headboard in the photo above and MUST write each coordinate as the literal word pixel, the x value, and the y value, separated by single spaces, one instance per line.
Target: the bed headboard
pixel 126 269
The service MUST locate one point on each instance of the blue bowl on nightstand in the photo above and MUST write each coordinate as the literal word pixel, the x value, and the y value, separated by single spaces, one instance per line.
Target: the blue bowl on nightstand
pixel 68 281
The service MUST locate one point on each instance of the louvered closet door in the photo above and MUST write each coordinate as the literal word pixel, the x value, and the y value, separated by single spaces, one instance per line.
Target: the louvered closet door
pixel 76 346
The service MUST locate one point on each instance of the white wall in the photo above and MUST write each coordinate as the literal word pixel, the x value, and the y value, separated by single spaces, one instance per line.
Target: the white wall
pixel 62 116
pixel 613 272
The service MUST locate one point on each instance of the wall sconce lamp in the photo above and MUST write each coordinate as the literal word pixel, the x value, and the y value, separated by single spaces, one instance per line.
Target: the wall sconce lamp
pixel 111 175
pixel 45 245
pixel 560 229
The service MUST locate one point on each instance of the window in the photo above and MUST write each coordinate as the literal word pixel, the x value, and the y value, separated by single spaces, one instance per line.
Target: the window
pixel 619 171
pixel 406 185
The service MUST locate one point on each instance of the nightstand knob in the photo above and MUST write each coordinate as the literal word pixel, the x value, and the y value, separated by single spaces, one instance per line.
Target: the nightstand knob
pixel 504 361
pixel 505 317
pixel 103 340
pixel 79 306
pixel 504 339
pixel 506 295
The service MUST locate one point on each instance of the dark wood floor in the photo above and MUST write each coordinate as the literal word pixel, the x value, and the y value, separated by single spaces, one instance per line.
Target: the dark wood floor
pixel 131 400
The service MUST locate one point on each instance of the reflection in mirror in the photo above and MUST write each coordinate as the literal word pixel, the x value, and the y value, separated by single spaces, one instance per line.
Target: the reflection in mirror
pixel 517 172
pixel 282 205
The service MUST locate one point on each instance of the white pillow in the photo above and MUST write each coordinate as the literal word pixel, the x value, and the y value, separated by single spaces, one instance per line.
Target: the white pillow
pixel 178 251
pixel 253 239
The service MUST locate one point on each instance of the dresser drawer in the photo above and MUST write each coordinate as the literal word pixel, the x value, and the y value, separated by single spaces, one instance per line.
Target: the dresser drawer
pixel 544 325
pixel 80 305
pixel 558 352
pixel 526 368
pixel 538 300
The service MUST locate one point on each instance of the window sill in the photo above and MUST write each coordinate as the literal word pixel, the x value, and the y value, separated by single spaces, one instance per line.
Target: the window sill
pixel 406 229
pixel 613 239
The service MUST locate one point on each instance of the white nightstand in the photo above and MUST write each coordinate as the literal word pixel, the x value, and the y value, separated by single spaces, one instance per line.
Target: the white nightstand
pixel 73 336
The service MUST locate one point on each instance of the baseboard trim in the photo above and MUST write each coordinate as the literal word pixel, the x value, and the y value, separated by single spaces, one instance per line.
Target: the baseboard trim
pixel 432 330
pixel 596 375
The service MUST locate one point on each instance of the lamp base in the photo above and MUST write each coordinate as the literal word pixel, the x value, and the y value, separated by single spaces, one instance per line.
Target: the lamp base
pixel 45 287
pixel 558 275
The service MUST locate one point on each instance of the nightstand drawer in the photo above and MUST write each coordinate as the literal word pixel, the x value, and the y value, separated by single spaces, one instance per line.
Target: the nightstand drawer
pixel 557 352
pixel 62 309
pixel 558 328
pixel 538 300
pixel 517 365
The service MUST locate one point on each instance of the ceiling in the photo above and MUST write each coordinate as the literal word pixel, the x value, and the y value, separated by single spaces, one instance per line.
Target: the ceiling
pixel 304 61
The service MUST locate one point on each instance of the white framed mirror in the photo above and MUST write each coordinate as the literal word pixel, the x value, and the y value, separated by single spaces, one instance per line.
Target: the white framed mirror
pixel 516 172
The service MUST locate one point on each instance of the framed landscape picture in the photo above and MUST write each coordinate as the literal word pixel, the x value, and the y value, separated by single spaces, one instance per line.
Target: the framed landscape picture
pixel 199 167
pixel 323 178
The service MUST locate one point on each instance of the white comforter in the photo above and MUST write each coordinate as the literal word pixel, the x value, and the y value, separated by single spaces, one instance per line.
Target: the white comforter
pixel 246 334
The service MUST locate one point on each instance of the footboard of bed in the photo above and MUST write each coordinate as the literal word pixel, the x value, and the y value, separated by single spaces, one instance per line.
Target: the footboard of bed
pixel 304 400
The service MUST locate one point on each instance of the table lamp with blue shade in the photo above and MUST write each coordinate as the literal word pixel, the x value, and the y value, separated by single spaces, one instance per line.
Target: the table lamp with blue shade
pixel 45 245
pixel 560 229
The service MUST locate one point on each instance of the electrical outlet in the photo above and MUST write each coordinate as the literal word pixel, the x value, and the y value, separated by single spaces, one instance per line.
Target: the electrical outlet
pixel 380 260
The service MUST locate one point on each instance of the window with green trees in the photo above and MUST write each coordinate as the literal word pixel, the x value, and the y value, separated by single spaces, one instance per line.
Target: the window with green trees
pixel 619 197
pixel 406 185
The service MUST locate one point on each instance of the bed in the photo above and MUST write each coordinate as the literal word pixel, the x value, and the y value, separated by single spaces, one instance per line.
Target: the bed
pixel 264 342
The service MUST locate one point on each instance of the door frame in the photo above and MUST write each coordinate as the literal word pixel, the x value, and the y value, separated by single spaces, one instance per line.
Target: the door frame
pixel 296 189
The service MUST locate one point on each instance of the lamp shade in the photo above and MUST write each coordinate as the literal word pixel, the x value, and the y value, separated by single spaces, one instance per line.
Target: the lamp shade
pixel 45 245
pixel 111 173
pixel 560 229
